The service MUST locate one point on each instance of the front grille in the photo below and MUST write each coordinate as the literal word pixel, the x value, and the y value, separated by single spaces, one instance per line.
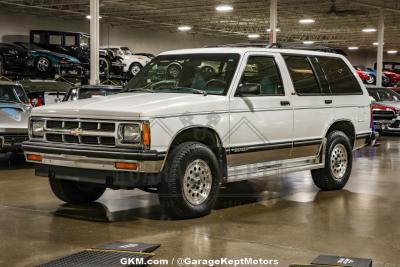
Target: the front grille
pixel 15 139
pixel 81 132
pixel 383 115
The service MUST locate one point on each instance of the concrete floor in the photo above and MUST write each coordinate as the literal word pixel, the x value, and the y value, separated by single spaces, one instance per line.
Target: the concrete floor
pixel 285 218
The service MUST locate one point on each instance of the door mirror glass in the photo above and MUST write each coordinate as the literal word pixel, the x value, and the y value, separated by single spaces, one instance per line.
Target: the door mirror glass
pixel 249 89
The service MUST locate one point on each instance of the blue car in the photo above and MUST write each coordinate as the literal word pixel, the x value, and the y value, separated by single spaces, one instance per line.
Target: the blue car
pixel 372 76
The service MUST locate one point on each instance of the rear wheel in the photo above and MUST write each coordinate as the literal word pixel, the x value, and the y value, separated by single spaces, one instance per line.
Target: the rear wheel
pixel 76 192
pixel 43 65
pixel 104 66
pixel 191 182
pixel 338 163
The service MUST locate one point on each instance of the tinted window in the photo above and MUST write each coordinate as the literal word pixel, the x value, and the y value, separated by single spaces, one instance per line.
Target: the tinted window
pixel 340 78
pixel 263 71
pixel 322 79
pixel 304 80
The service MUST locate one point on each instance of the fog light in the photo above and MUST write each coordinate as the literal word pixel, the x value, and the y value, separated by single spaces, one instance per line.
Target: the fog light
pixel 126 166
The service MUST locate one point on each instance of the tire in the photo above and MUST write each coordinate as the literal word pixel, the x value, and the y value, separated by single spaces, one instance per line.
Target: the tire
pixel 104 66
pixel 135 68
pixel 190 183
pixel 338 163
pixel 43 65
pixel 76 192
pixel 1 66
pixel 371 80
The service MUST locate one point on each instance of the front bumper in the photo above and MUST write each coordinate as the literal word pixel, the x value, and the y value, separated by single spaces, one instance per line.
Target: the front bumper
pixel 12 143
pixel 96 164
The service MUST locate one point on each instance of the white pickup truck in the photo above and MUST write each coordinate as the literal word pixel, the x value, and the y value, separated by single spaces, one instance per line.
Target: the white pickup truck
pixel 232 113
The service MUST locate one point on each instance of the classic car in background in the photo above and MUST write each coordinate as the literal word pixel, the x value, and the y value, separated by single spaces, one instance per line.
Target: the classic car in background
pixel 133 62
pixel 149 55
pixel 13 58
pixel 76 44
pixel 45 92
pixel 48 62
pixel 14 116
pixel 363 75
pixel 372 76
pixel 89 91
pixel 394 78
pixel 385 108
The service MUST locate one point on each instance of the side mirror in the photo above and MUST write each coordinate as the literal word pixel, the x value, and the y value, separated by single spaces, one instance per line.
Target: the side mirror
pixel 249 89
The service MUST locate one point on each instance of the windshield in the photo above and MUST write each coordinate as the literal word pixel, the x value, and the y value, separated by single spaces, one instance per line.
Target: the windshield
pixel 15 94
pixel 84 93
pixel 210 73
pixel 383 94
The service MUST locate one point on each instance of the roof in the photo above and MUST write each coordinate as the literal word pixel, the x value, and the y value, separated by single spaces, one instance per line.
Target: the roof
pixel 243 50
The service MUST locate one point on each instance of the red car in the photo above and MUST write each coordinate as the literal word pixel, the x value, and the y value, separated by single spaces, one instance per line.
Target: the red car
pixel 393 77
pixel 364 76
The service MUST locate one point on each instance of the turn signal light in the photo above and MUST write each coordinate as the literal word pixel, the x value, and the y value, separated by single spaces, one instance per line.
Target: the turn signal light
pixel 126 166
pixel 34 157
pixel 146 134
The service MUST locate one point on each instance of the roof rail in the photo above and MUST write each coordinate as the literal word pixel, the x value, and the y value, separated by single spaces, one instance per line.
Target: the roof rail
pixel 299 46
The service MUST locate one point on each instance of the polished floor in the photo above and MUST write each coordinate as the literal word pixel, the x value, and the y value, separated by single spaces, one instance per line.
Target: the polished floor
pixel 284 218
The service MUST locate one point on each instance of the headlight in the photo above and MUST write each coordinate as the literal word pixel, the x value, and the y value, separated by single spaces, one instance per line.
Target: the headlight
pixel 37 128
pixel 131 133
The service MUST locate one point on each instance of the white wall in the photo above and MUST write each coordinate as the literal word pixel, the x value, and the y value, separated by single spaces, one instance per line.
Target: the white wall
pixel 15 27
pixel 368 58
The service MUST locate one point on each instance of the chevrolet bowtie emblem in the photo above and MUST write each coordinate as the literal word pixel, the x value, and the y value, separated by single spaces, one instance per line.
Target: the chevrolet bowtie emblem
pixel 76 132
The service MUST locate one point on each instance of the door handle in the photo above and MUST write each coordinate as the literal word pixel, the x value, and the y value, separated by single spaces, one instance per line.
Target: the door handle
pixel 285 103
pixel 328 101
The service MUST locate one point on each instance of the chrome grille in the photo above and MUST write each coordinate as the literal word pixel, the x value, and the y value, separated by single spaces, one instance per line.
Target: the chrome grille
pixel 383 115
pixel 80 132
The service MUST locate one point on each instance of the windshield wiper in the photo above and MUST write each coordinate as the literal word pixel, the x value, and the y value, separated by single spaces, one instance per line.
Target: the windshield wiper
pixel 138 90
pixel 194 90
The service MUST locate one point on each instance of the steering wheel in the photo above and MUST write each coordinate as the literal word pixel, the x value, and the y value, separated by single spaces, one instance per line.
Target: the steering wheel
pixel 216 83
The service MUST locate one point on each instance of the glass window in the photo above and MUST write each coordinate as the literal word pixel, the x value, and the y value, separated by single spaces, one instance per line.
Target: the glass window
pixel 211 73
pixel 262 70
pixel 340 78
pixel 10 93
pixel 383 94
pixel 84 41
pixel 304 80
pixel 70 40
pixel 55 39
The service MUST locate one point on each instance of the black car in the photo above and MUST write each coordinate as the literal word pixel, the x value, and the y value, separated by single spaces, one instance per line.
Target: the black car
pixel 76 44
pixel 13 58
pixel 89 91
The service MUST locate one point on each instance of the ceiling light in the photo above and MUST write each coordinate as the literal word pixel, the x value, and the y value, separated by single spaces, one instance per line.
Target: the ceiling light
pixel 253 36
pixel 306 21
pixel 90 17
pixel 308 42
pixel 224 8
pixel 184 28
pixel 353 48
pixel 369 29
pixel 392 51
pixel 277 30
pixel 376 43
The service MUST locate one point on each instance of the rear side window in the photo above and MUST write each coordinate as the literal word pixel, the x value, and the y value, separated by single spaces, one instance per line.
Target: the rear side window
pixel 303 77
pixel 340 77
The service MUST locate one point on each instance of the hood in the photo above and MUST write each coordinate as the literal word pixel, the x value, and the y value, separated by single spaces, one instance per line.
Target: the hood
pixel 14 117
pixel 54 54
pixel 135 105
pixel 392 104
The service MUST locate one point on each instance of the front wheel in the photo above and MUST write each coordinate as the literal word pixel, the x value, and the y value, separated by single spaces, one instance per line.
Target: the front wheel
pixel 43 65
pixel 135 68
pixel 76 192
pixel 191 182
pixel 371 80
pixel 338 163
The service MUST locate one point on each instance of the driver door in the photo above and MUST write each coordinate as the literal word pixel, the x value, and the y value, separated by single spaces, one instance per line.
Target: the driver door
pixel 261 125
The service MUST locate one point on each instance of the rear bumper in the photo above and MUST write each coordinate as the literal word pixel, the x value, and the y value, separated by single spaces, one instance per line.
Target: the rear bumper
pixel 96 164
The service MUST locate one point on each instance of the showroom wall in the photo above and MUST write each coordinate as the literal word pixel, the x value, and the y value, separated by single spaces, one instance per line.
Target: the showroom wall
pixel 368 58
pixel 16 28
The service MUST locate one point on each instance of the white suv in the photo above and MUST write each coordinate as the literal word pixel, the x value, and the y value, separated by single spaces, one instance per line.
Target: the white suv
pixel 251 113
pixel 133 63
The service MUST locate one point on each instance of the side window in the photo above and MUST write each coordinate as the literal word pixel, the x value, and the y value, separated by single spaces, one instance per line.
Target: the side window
pixel 340 77
pixel 263 70
pixel 39 38
pixel 55 39
pixel 70 40
pixel 303 77
pixel 322 79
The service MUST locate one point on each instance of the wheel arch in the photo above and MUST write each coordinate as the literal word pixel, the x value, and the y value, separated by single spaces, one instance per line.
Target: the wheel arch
pixel 345 126
pixel 205 135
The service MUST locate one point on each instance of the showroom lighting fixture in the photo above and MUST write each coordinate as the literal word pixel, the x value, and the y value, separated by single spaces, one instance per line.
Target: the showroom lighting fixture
pixel 353 48
pixel 184 28
pixel 253 36
pixel 376 44
pixel 369 29
pixel 392 51
pixel 308 42
pixel 224 8
pixel 90 17
pixel 277 30
pixel 306 21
